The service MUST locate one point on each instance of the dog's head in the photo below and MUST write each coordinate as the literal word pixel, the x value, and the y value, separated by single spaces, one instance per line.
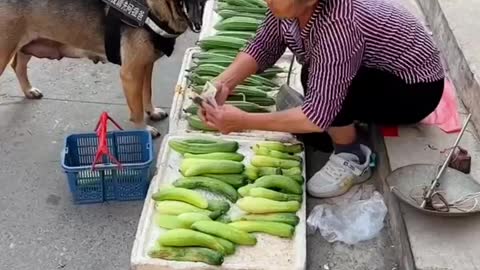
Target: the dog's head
pixel 179 14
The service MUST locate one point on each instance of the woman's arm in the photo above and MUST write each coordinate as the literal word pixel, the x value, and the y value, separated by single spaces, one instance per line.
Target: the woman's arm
pixel 262 51
pixel 333 64
pixel 292 121
pixel 228 119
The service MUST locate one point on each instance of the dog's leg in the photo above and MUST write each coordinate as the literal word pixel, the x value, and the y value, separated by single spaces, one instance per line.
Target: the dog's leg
pixel 137 53
pixel 5 57
pixel 155 114
pixel 19 64
pixel 132 81
pixel 132 77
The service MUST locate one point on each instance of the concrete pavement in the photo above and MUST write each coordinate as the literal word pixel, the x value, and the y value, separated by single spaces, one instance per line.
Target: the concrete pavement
pixel 40 228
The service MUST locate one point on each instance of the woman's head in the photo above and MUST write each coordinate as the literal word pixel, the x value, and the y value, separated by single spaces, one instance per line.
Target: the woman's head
pixel 290 8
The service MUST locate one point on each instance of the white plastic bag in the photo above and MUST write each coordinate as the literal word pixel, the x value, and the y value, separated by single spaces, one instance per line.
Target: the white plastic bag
pixel 349 223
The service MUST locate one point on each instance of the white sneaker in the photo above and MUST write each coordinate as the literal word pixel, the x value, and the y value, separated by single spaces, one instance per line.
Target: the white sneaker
pixel 341 172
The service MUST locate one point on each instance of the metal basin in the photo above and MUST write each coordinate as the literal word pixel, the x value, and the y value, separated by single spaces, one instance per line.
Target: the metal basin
pixel 408 182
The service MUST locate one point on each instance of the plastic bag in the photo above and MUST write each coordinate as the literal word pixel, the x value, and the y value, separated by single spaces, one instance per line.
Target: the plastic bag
pixel 349 223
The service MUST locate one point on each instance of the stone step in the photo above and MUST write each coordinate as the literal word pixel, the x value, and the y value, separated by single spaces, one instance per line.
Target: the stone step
pixel 455 27
pixel 428 242
pixel 435 242
pixel 411 239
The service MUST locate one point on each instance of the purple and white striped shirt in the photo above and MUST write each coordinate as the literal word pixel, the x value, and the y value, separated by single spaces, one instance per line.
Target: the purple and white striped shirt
pixel 341 36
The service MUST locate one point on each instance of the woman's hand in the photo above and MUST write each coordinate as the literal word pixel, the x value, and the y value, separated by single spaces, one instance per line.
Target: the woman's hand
pixel 241 68
pixel 225 118
pixel 223 91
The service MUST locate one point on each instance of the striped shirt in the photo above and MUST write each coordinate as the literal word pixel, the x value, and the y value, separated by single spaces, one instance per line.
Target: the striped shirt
pixel 341 36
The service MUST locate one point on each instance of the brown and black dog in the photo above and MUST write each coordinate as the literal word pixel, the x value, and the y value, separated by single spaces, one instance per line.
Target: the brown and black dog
pixel 55 29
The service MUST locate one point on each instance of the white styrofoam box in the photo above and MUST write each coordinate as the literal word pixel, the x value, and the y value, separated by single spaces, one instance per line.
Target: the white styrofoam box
pixel 270 252
pixel 210 18
pixel 181 86
pixel 178 122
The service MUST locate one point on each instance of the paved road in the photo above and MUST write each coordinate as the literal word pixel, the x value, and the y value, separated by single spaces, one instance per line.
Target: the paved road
pixel 40 228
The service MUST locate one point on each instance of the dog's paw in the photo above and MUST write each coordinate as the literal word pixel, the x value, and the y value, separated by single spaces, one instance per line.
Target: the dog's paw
pixel 155 133
pixel 157 114
pixel 98 59
pixel 33 93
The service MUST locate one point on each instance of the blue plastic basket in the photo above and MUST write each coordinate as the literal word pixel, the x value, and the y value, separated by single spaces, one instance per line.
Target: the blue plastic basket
pixel 108 182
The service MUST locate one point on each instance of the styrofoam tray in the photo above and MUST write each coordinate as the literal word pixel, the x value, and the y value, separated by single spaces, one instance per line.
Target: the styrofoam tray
pixel 180 87
pixel 270 252
pixel 210 18
pixel 178 122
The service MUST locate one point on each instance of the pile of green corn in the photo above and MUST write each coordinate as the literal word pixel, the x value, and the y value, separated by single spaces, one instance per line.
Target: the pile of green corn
pixel 239 21
pixel 201 229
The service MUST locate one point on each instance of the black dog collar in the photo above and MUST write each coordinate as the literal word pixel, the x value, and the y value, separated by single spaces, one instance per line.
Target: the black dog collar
pixel 161 29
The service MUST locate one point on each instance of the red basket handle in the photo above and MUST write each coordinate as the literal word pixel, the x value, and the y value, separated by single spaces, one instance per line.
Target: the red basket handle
pixel 101 130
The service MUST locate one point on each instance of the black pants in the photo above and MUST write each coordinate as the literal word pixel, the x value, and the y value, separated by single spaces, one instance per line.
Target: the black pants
pixel 378 97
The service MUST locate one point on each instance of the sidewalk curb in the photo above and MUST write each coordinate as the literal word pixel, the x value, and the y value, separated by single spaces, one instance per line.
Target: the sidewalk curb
pixel 398 232
pixel 458 67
